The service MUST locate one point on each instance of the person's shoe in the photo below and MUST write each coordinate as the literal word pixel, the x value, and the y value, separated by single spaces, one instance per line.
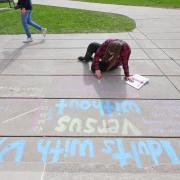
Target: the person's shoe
pixel 28 40
pixel 44 31
pixel 83 59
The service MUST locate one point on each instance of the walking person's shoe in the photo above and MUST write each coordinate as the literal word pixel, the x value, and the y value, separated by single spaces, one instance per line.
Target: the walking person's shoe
pixel 44 31
pixel 28 40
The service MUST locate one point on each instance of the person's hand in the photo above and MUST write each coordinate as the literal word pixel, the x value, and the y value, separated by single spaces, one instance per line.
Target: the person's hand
pixel 98 74
pixel 23 11
pixel 129 78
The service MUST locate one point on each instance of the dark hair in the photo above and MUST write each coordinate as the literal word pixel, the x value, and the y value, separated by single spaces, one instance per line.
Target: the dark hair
pixel 115 47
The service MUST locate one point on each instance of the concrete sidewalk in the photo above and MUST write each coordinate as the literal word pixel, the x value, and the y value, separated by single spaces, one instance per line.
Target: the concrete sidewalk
pixel 58 121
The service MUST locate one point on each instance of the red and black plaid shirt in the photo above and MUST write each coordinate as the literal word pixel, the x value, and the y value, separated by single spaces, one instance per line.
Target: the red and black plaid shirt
pixel 123 56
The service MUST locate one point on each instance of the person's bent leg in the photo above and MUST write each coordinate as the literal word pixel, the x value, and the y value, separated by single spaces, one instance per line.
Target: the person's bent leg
pixel 24 19
pixel 32 23
pixel 35 25
pixel 92 48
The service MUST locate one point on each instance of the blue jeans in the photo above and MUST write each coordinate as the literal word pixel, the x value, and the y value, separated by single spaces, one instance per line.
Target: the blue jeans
pixel 26 19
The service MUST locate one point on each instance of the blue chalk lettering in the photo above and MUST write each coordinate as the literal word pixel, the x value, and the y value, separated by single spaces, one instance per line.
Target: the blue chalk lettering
pixel 118 107
pixel 136 155
pixel 109 108
pixel 46 149
pixel 82 148
pixel 121 155
pixel 67 148
pixel 74 104
pixel 98 105
pixel 155 150
pixel 17 145
pixel 61 106
pixel 107 149
pixel 170 152
pixel 142 148
pixel 127 105
pixel 85 104
pixel 2 140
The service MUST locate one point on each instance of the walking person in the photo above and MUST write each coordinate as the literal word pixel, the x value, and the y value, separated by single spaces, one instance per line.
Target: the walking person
pixel 108 56
pixel 26 11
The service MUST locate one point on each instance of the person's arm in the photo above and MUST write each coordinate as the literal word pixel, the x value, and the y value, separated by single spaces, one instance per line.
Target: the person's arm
pixel 100 52
pixel 125 67
pixel 126 70
pixel 125 54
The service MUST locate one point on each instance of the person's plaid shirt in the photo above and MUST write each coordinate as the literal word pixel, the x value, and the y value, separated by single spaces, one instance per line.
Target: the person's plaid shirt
pixel 123 56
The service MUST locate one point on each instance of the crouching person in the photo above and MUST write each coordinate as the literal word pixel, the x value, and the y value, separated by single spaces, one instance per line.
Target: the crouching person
pixel 108 56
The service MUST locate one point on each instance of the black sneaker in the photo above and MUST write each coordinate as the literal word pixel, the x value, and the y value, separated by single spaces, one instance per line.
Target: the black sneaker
pixel 83 59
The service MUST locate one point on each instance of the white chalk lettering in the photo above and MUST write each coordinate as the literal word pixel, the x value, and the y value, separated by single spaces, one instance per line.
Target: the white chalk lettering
pixel 91 125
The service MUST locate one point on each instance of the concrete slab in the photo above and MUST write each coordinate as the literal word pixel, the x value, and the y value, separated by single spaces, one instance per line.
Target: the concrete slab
pixel 143 67
pixel 97 155
pixel 168 29
pixel 165 36
pixel 156 54
pixel 23 53
pixel 171 44
pixel 178 62
pixel 168 67
pixel 159 23
pixel 144 44
pixel 77 36
pixel 147 23
pixel 176 81
pixel 85 87
pixel 90 117
pixel 56 44
pixel 4 64
pixel 63 67
pixel 87 176
pixel 173 53
pixel 137 35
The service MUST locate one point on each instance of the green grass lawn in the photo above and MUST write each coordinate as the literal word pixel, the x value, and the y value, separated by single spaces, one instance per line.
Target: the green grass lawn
pixel 65 20
pixel 153 3
pixel 4 5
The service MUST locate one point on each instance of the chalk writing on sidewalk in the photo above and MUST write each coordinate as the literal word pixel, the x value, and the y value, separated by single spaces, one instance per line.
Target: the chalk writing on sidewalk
pixel 123 152
pixel 20 91
pixel 91 125
pixel 103 108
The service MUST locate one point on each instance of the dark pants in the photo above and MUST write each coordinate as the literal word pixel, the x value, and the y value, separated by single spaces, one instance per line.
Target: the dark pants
pixel 92 48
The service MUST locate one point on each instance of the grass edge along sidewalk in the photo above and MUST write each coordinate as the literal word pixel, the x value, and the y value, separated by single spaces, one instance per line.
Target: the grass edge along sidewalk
pixel 67 20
